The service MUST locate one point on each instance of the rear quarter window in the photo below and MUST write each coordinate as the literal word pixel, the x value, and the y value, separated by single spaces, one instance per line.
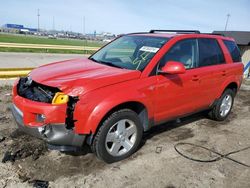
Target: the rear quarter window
pixel 233 50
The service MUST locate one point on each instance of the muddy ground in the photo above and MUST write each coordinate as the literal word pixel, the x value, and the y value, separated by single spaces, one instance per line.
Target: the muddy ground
pixel 156 164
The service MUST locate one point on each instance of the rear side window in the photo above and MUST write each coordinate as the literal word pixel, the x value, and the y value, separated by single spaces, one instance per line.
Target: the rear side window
pixel 233 49
pixel 210 52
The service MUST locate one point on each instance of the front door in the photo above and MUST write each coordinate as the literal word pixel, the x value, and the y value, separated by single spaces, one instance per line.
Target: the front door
pixel 176 95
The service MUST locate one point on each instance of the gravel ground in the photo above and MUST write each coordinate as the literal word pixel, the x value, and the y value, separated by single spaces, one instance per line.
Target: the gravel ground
pixel 155 164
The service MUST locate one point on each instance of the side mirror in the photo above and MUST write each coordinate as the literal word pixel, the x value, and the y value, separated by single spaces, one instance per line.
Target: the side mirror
pixel 172 67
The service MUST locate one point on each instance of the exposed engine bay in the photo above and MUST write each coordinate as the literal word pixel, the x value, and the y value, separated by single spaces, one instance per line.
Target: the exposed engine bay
pixel 29 89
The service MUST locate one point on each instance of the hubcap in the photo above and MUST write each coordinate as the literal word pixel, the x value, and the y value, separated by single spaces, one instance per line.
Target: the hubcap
pixel 121 137
pixel 226 105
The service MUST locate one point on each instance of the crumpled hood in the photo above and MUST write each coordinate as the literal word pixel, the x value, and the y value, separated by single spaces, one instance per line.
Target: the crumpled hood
pixel 79 76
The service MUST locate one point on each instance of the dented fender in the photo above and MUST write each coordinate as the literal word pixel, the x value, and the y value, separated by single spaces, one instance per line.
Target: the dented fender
pixel 92 108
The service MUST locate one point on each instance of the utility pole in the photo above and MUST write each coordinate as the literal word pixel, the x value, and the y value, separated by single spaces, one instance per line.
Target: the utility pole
pixel 38 24
pixel 228 15
pixel 83 29
pixel 53 26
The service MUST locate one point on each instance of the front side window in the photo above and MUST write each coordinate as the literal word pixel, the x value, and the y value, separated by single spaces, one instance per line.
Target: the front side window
pixel 130 52
pixel 184 51
pixel 210 52
pixel 233 50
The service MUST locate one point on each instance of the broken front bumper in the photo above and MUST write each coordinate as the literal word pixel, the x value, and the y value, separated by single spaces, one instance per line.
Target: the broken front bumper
pixel 53 134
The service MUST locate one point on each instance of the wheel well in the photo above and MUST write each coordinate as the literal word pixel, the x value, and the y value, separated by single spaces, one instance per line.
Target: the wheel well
pixel 137 107
pixel 233 86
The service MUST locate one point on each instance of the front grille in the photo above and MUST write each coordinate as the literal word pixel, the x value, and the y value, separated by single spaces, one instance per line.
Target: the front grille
pixel 34 91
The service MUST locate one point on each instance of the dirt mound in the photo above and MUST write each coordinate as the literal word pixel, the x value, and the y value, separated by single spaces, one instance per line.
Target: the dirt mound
pixel 23 146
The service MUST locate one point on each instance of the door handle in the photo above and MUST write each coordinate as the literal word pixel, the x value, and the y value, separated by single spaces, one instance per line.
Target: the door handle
pixel 195 78
pixel 224 73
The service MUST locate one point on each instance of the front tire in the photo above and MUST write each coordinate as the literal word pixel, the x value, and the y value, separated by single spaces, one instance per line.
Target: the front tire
pixel 223 107
pixel 118 137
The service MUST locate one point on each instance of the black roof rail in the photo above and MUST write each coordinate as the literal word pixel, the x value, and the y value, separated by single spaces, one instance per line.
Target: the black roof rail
pixel 175 31
pixel 220 34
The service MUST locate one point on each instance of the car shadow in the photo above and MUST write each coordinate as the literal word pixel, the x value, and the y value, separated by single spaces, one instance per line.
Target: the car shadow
pixel 170 125
pixel 154 131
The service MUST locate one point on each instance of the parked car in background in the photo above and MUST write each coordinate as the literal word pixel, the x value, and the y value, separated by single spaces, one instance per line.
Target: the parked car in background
pixel 52 36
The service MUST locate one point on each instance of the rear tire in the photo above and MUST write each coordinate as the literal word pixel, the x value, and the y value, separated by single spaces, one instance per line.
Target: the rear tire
pixel 118 136
pixel 223 107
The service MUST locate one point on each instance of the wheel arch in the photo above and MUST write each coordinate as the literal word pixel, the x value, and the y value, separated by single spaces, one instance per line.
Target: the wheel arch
pixel 136 106
pixel 233 86
pixel 230 83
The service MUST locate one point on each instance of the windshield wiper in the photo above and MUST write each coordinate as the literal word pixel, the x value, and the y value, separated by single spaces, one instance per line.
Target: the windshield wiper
pixel 110 64
pixel 105 63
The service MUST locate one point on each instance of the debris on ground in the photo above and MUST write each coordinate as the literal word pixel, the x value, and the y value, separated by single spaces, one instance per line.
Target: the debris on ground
pixel 40 184
pixel 23 176
pixel 12 156
pixel 2 117
pixel 2 138
pixel 8 156
pixel 18 150
pixel 158 149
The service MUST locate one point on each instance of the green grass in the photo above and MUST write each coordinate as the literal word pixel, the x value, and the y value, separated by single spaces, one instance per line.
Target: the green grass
pixel 34 50
pixel 27 39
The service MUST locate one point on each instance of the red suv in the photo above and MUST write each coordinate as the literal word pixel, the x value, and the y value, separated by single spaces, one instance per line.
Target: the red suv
pixel 133 83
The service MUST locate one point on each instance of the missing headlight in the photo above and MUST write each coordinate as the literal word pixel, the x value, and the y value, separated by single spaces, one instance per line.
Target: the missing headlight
pixel 29 89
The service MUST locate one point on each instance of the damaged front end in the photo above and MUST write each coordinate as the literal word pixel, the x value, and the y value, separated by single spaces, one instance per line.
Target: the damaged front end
pixel 29 89
pixel 45 112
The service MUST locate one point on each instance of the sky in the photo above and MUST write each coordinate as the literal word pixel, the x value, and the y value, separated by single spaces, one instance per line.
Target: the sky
pixel 124 16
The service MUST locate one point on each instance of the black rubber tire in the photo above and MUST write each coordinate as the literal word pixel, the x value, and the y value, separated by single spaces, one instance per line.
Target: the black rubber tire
pixel 214 113
pixel 98 144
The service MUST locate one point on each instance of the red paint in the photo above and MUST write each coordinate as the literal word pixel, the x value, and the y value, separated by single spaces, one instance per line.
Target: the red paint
pixel 101 88
pixel 173 67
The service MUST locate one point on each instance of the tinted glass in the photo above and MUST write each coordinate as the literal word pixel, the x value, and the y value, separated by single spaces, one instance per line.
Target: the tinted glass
pixel 210 52
pixel 184 51
pixel 233 49
pixel 130 52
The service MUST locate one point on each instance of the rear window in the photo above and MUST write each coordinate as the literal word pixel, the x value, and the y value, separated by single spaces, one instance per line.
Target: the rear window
pixel 233 49
pixel 210 52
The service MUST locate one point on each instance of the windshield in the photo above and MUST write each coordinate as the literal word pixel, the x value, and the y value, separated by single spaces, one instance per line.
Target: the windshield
pixel 129 52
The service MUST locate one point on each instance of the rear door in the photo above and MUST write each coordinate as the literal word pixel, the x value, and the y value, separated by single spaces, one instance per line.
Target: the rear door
pixel 211 70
